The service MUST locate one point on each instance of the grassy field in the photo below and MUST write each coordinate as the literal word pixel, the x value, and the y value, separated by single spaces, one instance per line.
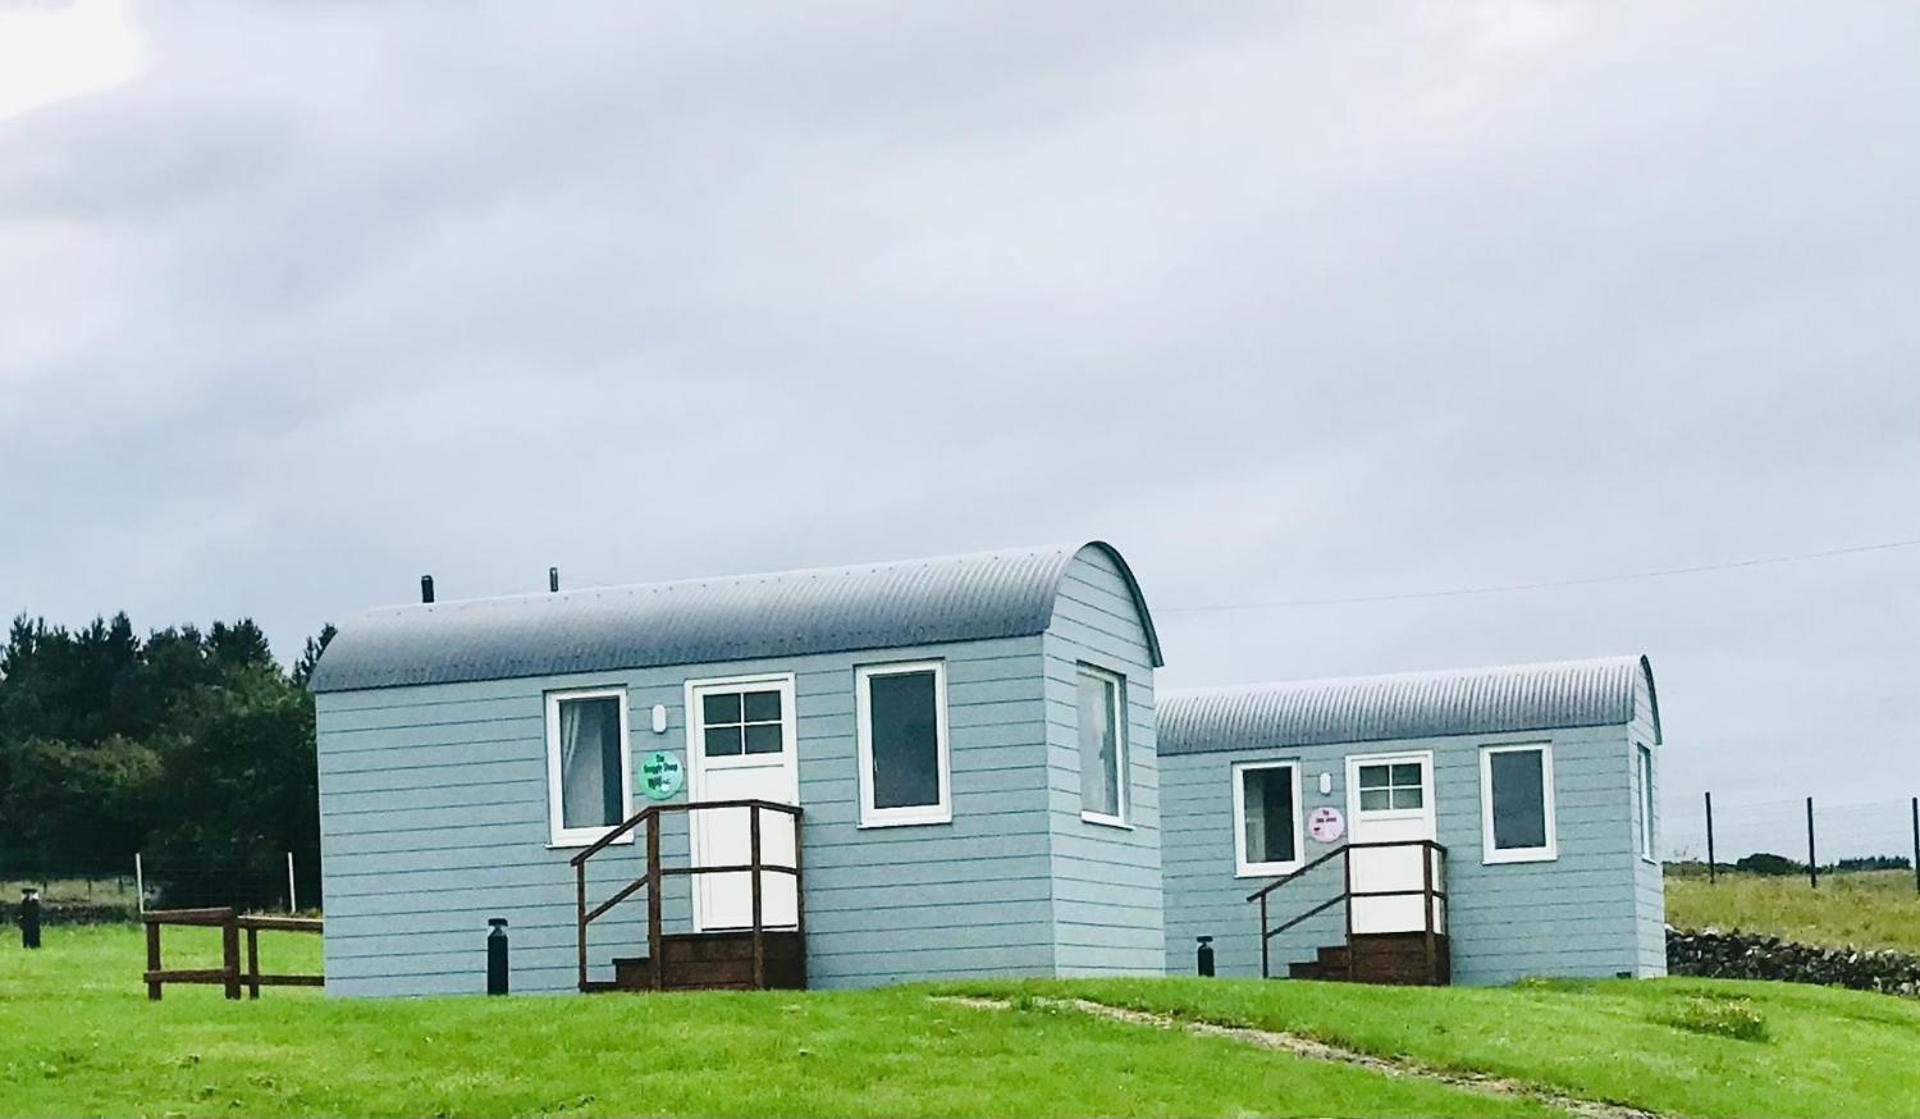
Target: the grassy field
pixel 1823 1051
pixel 1870 909
pixel 77 1037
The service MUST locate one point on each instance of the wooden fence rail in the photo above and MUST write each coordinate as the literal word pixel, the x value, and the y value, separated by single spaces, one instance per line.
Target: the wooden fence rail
pixel 229 974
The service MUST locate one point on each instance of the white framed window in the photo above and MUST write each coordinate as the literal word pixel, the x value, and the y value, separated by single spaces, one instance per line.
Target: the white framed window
pixel 740 720
pixel 1266 819
pixel 1102 708
pixel 1643 767
pixel 901 726
pixel 1392 785
pixel 1516 804
pixel 589 765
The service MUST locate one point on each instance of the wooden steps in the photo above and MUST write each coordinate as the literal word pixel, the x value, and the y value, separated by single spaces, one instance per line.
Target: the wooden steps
pixel 715 961
pixel 1329 963
pixel 1395 958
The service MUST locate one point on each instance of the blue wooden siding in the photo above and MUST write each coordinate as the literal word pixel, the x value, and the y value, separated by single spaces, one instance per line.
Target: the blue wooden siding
pixel 1649 880
pixel 1106 883
pixel 434 818
pixel 1575 915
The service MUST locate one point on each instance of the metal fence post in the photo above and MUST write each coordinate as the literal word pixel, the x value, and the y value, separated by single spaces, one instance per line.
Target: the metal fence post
pixel 293 898
pixel 1813 863
pixel 1711 874
pixel 140 889
pixel 1916 845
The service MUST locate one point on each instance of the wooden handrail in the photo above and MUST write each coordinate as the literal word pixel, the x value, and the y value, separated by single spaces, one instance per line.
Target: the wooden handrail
pixel 1314 912
pixel 1347 894
pixel 1336 853
pixel 1290 876
pixel 651 880
pixel 653 811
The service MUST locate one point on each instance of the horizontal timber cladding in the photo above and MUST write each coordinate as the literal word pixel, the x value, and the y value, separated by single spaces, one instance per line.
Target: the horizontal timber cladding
pixel 1574 916
pixel 1650 898
pixel 434 819
pixel 1105 881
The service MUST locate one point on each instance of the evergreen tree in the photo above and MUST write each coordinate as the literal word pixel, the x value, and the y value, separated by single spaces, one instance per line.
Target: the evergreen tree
pixel 192 746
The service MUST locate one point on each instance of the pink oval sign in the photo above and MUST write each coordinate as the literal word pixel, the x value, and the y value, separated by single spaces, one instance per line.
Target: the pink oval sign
pixel 1325 824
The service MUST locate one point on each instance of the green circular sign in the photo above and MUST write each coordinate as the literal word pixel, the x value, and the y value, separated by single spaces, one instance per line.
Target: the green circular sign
pixel 661 775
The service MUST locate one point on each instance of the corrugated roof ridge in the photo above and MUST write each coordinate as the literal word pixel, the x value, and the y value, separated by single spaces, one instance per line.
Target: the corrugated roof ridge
pixel 874 567
pixel 1625 660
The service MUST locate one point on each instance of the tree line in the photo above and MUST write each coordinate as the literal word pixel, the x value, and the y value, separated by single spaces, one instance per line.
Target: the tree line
pixel 193 747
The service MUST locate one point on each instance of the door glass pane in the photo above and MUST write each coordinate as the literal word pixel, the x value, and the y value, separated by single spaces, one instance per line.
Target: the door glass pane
pixel 720 707
pixel 763 707
pixel 1373 776
pixel 1407 798
pixel 904 721
pixel 1268 797
pixel 1519 799
pixel 763 738
pixel 1406 773
pixel 723 742
pixel 590 778
pixel 1374 800
pixel 1099 747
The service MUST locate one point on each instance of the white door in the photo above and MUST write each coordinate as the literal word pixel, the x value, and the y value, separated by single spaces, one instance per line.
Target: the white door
pixel 1390 799
pixel 740 742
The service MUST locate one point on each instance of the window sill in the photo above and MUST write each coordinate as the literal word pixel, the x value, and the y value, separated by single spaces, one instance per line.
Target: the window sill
pixel 906 822
pixel 1505 857
pixel 1105 821
pixel 573 843
pixel 1269 870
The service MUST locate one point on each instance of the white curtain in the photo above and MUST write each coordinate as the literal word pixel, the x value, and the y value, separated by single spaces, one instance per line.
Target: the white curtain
pixel 580 784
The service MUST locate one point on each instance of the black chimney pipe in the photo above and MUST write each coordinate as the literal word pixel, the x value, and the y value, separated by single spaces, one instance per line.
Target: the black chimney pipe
pixel 553 580
pixel 426 588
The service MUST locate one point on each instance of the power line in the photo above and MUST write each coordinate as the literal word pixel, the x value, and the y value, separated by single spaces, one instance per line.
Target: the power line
pixel 1460 592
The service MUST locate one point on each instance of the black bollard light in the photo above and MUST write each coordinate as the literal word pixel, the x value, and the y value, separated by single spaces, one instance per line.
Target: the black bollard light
pixel 30 918
pixel 497 956
pixel 1204 956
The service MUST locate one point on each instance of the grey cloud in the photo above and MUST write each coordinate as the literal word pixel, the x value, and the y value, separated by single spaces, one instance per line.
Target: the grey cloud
pixel 1290 303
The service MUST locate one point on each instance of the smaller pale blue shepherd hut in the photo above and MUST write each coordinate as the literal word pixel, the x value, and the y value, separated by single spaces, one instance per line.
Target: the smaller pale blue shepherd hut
pixel 1471 826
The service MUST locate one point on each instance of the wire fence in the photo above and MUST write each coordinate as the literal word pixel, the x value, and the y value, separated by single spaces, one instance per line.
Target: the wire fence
pixel 122 887
pixel 1800 836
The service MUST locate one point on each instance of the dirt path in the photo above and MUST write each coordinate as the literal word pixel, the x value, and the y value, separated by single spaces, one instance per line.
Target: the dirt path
pixel 1314 1050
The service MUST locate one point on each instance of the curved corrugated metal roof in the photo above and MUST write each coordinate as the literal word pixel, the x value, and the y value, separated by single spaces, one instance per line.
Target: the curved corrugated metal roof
pixel 698 621
pixel 1524 697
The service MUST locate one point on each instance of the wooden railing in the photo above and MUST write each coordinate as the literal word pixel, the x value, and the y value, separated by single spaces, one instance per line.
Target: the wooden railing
pixel 650 881
pixel 1428 892
pixel 229 975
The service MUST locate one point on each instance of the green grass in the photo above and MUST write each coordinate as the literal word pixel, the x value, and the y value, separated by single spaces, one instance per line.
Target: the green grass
pixel 1823 1051
pixel 1867 909
pixel 77 1037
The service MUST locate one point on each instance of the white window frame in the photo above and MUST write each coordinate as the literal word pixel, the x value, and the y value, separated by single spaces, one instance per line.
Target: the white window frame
pixel 941 811
pixel 1241 867
pixel 1424 813
pixel 696 690
pixel 1490 855
pixel 1123 762
pixel 1643 782
pixel 558 836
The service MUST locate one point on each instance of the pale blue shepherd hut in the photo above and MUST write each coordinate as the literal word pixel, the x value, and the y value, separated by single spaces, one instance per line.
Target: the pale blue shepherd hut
pixel 1473 826
pixel 945 767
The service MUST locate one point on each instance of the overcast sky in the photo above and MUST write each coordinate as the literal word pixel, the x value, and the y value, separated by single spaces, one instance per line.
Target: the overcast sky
pixel 1289 301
